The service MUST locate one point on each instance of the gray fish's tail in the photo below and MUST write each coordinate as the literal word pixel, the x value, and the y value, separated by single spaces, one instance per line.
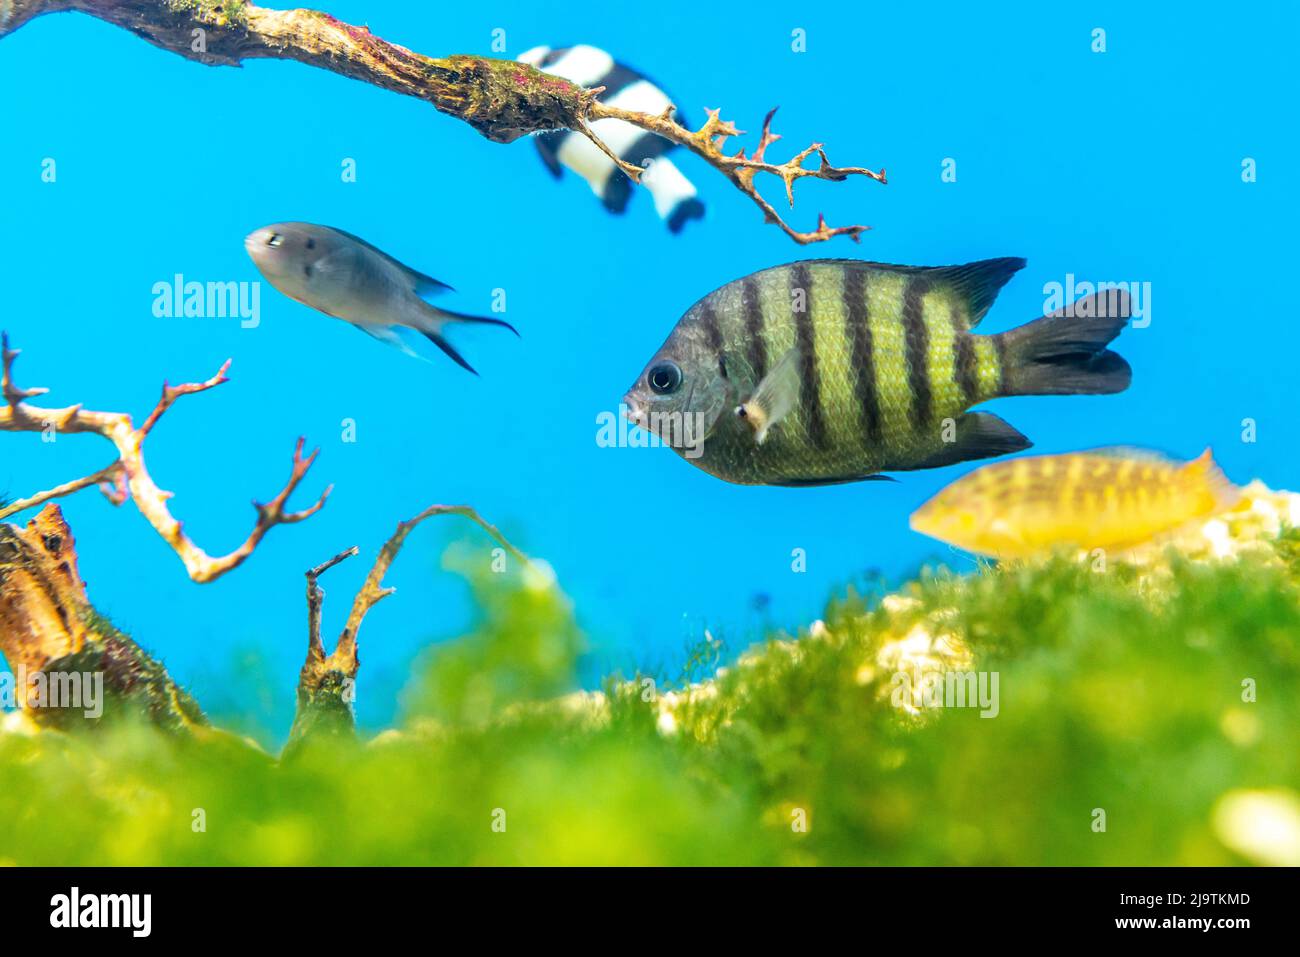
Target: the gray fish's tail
pixel 432 319
pixel 1065 353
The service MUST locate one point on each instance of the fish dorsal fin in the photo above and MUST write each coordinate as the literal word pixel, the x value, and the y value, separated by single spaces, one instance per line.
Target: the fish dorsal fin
pixel 1203 462
pixel 1136 453
pixel 977 283
pixel 1205 472
pixel 1201 472
pixel 422 285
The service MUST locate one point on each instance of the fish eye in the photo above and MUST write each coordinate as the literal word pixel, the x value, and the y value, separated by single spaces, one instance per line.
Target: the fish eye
pixel 275 239
pixel 664 378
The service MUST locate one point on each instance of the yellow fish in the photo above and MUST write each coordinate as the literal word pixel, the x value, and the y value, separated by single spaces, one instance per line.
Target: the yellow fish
pixel 1110 498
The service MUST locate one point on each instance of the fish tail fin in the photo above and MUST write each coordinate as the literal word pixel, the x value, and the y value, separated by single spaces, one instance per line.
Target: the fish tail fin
pixel 675 197
pixel 431 318
pixel 430 321
pixel 440 341
pixel 1065 353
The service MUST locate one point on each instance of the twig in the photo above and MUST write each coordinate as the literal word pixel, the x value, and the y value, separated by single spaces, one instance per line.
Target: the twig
pixel 315 599
pixel 103 476
pixel 707 142
pixel 373 591
pixel 129 476
pixel 502 99
pixel 325 683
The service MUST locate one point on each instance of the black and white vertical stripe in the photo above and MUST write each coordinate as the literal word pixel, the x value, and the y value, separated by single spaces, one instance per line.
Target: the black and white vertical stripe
pixel 675 197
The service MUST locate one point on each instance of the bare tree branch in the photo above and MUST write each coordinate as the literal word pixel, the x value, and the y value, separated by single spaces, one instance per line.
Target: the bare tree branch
pixel 325 684
pixel 502 99
pixel 373 591
pixel 315 599
pixel 129 477
pixel 707 143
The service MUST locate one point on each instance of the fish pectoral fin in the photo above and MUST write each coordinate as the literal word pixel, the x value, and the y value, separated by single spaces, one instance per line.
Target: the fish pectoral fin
pixel 775 396
pixel 979 435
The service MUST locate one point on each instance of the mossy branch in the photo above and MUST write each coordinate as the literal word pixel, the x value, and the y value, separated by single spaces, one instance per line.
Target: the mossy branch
pixel 502 99
pixel 326 682
pixel 49 627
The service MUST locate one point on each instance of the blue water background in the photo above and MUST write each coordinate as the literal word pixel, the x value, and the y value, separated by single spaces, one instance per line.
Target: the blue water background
pixel 1123 165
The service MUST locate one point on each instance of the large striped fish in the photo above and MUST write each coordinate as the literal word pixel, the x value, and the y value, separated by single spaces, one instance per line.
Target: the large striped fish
pixel 835 370
pixel 674 195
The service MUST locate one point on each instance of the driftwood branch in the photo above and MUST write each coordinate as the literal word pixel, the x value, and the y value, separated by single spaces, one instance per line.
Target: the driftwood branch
pixel 326 682
pixel 315 600
pixel 48 628
pixel 502 99
pixel 128 477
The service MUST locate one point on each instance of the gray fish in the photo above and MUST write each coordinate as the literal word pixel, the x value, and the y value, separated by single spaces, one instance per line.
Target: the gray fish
pixel 835 370
pixel 345 277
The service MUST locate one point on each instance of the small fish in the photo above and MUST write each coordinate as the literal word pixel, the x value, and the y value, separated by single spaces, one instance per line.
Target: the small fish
pixel 675 197
pixel 835 370
pixel 345 277
pixel 1111 498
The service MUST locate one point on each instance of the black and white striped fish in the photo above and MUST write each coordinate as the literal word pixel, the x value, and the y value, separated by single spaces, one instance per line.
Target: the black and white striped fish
pixel 675 197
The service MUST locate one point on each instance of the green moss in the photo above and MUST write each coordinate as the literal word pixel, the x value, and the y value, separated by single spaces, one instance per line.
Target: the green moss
pixel 1120 691
pixel 218 13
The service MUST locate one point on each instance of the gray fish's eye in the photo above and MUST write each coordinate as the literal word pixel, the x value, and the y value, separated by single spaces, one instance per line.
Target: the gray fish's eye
pixel 664 378
pixel 275 240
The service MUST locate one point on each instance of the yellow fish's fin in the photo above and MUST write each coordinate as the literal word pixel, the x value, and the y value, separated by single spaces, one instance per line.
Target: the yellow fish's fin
pixel 1133 453
pixel 775 396
pixel 1204 473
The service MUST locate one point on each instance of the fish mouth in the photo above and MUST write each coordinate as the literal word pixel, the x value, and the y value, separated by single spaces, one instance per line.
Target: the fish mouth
pixel 250 243
pixel 635 412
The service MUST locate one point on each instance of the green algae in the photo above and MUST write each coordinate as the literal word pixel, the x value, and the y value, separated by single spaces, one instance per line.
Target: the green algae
pixel 1161 696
